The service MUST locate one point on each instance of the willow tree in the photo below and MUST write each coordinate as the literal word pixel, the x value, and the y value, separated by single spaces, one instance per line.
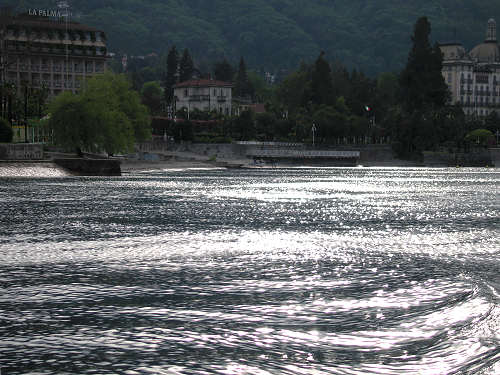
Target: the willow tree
pixel 106 116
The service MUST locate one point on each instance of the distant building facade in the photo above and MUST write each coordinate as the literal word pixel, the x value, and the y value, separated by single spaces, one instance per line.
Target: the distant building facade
pixel 473 77
pixel 204 95
pixel 39 50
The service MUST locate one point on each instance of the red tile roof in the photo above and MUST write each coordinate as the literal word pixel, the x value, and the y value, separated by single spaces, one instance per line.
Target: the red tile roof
pixel 203 83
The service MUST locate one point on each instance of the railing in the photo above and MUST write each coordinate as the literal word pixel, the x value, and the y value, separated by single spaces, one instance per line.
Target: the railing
pixel 45 68
pixel 78 70
pixel 199 98
pixel 221 98
pixel 303 154
pixel 90 69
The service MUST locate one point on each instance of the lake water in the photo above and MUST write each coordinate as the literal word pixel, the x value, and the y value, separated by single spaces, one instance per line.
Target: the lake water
pixel 255 272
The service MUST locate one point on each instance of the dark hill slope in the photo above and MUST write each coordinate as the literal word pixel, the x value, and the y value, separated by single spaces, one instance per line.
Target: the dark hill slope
pixel 372 35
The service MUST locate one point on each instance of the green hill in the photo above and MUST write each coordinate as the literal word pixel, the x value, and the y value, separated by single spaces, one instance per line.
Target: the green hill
pixel 371 35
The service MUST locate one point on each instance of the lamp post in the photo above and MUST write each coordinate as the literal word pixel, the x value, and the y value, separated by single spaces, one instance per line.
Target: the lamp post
pixel 313 130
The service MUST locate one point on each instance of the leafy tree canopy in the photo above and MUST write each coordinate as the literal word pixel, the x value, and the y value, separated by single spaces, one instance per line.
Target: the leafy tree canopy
pixel 106 116
pixel 6 132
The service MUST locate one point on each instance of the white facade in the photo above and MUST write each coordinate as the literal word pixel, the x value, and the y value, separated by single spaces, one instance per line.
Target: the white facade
pixel 473 78
pixel 204 95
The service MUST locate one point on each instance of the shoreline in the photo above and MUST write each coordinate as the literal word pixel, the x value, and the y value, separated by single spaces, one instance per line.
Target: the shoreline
pixel 178 161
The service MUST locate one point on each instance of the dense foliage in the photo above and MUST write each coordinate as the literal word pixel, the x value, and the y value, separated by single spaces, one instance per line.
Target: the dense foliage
pixel 105 116
pixel 277 34
pixel 6 132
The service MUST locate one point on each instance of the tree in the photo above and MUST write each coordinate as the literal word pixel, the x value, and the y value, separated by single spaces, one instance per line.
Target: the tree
pixel 223 71
pixel 6 133
pixel 171 76
pixel 265 126
pixel 322 85
pixel 330 123
pixel 186 67
pixel 151 95
pixel 492 122
pixel 292 91
pixel 480 137
pixel 422 83
pixel 106 116
pixel 424 94
pixel 244 125
pixel 242 88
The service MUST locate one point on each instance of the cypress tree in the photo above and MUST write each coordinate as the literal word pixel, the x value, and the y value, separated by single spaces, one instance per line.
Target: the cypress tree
pixel 243 87
pixel 424 93
pixel 223 71
pixel 186 67
pixel 171 76
pixel 422 83
pixel 322 85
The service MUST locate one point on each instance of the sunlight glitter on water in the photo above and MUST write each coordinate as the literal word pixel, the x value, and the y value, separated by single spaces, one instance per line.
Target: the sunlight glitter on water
pixel 338 271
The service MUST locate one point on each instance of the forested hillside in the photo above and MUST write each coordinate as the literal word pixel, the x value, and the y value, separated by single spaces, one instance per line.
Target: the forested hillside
pixel 370 35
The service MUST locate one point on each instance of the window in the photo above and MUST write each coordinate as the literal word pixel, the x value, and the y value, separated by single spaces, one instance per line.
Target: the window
pixel 185 92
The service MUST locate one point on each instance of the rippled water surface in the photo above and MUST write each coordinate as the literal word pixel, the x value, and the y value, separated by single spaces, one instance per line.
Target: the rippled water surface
pixel 300 271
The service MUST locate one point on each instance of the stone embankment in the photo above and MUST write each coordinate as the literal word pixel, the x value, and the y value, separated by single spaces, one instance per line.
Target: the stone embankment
pixel 25 159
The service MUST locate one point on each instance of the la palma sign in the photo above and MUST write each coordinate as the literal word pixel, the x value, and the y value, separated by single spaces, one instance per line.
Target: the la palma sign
pixel 47 13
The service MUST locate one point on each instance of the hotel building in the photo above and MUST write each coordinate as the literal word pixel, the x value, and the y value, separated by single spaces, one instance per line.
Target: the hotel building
pixel 474 77
pixel 42 49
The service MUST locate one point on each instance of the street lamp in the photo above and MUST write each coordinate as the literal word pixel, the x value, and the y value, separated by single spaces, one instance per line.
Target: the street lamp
pixel 313 130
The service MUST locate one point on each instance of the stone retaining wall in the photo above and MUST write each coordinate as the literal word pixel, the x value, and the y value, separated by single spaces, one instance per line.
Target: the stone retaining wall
pixel 91 167
pixel 21 151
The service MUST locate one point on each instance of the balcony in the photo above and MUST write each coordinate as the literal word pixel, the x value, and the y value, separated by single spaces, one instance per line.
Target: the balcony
pixel 57 68
pixel 199 98
pixel 35 68
pixel 222 98
pixel 78 69
pixel 90 69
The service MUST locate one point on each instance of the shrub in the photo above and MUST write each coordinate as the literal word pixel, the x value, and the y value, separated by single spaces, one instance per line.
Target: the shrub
pixel 6 132
pixel 480 137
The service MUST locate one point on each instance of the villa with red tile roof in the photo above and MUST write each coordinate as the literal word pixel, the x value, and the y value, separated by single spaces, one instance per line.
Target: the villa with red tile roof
pixel 204 95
